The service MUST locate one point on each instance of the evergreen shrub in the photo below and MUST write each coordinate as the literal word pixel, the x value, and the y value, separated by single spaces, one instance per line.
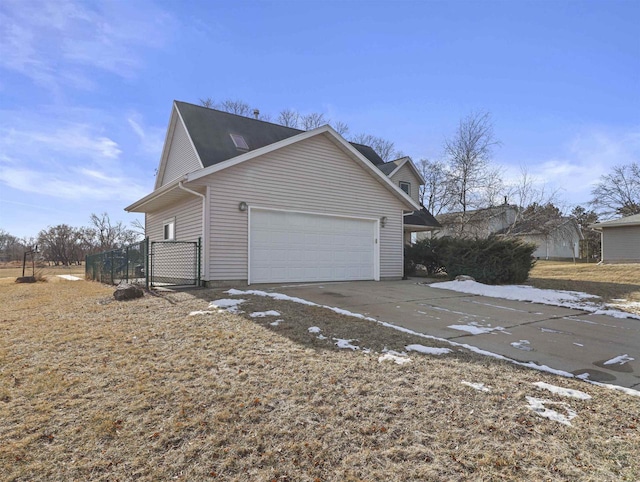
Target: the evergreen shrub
pixel 489 261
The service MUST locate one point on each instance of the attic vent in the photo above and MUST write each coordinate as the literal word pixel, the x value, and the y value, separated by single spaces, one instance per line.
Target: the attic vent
pixel 239 142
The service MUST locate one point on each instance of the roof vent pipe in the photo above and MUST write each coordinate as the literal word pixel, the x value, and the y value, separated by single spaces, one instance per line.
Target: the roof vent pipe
pixel 256 113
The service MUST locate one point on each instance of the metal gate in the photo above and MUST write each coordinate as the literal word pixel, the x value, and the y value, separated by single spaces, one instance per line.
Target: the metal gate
pixel 174 263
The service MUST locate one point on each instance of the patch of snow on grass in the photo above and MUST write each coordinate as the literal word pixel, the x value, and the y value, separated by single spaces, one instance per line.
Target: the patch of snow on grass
pixel 522 345
pixel 69 277
pixel 262 314
pixel 481 387
pixel 275 296
pixel 569 299
pixel 395 358
pixel 619 360
pixel 340 343
pixel 230 305
pixel 201 312
pixel 280 296
pixel 538 406
pixel 276 323
pixel 428 350
pixel 565 392
pixel 314 329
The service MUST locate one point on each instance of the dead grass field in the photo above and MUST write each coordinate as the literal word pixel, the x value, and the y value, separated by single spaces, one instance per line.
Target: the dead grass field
pixel 14 269
pixel 609 281
pixel 93 389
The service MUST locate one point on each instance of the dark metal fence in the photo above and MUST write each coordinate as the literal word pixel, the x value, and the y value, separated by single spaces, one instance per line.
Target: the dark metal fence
pixel 129 264
pixel 174 263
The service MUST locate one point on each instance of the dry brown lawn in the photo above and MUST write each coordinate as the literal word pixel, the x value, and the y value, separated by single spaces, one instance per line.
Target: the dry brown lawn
pixel 93 389
pixel 14 269
pixel 609 281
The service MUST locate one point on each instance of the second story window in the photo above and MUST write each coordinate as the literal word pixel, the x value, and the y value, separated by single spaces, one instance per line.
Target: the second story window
pixel 406 187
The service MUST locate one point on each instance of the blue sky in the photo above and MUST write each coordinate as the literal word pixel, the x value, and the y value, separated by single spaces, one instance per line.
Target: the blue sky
pixel 86 87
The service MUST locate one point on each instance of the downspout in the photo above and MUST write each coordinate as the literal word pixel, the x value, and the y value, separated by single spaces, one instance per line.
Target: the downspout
pixel 205 243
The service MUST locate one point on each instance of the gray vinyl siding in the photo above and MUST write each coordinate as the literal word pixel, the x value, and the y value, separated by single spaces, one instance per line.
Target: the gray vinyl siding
pixel 182 157
pixel 188 219
pixel 621 244
pixel 553 247
pixel 314 176
pixel 406 174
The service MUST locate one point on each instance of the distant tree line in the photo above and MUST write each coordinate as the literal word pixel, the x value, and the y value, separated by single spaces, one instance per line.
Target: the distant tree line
pixel 67 245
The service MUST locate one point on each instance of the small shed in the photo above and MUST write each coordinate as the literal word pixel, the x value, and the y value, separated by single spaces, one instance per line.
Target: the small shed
pixel 620 239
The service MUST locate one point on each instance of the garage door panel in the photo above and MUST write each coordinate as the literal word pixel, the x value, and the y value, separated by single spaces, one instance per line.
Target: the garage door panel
pixel 287 246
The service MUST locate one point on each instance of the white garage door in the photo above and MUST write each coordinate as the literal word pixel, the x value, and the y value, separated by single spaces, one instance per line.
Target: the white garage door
pixel 288 247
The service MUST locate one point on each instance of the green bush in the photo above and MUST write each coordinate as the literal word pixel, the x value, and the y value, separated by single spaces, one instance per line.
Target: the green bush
pixel 490 261
pixel 427 252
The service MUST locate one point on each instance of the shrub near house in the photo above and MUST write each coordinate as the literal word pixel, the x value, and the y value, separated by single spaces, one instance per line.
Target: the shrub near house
pixel 491 261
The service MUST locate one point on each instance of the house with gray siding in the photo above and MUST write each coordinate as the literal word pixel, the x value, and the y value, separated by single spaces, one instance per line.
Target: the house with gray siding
pixel 620 239
pixel 276 204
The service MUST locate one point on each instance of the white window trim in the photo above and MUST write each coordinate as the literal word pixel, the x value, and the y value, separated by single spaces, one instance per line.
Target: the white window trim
pixel 169 222
pixel 408 192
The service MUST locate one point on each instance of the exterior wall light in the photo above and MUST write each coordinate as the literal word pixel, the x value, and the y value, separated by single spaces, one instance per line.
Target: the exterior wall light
pixel 242 206
pixel 383 221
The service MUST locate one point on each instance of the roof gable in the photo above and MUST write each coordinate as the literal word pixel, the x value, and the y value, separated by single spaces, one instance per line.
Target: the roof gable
pixel 332 135
pixel 352 152
pixel 399 163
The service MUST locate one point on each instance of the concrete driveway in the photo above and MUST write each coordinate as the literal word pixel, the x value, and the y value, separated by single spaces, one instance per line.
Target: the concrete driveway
pixel 561 338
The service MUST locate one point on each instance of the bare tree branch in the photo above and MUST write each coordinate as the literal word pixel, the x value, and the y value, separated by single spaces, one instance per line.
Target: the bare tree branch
pixel 313 121
pixel 618 193
pixel 237 107
pixel 435 195
pixel 289 118
pixel 469 155
pixel 341 128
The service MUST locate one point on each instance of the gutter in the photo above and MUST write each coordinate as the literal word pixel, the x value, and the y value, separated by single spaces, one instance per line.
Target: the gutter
pixel 204 204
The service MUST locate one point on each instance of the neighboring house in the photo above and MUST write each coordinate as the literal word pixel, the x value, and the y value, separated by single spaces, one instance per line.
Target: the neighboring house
pixel 555 239
pixel 480 223
pixel 620 239
pixel 276 204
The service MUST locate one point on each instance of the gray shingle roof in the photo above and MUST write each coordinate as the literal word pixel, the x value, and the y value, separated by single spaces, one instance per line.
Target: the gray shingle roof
pixel 388 167
pixel 633 220
pixel 211 130
pixel 421 218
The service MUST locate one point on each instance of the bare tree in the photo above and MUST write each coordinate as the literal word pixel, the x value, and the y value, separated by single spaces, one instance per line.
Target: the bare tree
pixel 237 107
pixel 341 128
pixel 385 149
pixel 618 193
pixel 58 244
pixel 312 121
pixel 528 191
pixel 435 195
pixel 111 235
pixel 208 103
pixel 289 118
pixel 469 156
pixel 11 247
